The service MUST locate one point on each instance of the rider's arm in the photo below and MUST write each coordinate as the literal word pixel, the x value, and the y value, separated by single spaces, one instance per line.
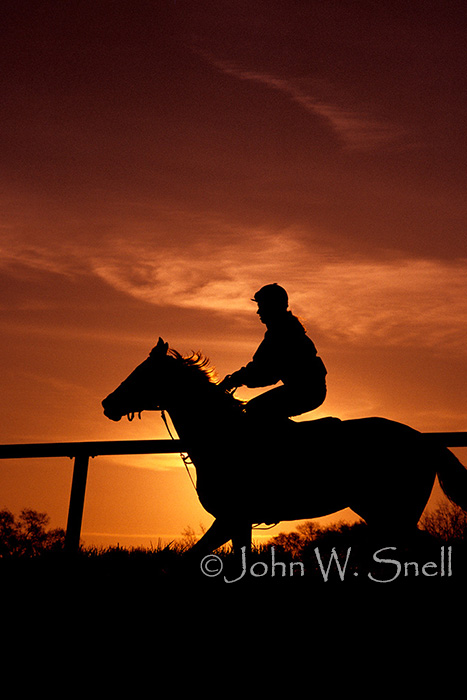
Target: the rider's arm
pixel 261 371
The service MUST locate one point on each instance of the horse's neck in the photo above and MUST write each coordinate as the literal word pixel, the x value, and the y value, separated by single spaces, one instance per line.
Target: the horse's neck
pixel 188 424
pixel 196 415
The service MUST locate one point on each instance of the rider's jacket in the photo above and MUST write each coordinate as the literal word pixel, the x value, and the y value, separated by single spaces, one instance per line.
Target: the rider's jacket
pixel 286 354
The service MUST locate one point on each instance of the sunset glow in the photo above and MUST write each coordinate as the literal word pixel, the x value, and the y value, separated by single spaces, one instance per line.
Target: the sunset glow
pixel 164 160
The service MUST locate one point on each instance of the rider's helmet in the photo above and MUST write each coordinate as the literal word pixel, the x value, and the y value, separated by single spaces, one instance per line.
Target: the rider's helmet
pixel 272 296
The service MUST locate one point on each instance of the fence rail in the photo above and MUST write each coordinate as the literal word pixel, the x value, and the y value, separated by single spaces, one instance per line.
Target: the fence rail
pixel 82 451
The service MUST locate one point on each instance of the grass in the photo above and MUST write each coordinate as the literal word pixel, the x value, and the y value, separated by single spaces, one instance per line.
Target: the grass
pixel 344 555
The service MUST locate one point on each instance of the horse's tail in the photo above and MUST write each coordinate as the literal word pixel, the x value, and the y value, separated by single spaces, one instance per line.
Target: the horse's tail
pixel 452 477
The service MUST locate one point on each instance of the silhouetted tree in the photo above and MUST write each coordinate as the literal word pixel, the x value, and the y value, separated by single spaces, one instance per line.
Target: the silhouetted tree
pixel 8 533
pixel 306 534
pixel 290 542
pixel 448 522
pixel 28 534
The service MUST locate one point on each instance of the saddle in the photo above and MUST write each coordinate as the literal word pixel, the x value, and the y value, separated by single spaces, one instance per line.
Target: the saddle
pixel 318 427
pixel 321 432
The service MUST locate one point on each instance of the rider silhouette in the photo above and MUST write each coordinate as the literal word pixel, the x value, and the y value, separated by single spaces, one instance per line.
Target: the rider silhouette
pixel 286 354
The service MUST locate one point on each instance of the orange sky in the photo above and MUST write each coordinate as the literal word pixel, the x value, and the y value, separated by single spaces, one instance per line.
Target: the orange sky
pixel 162 160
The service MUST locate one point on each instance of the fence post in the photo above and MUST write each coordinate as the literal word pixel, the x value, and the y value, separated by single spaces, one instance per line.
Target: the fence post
pixel 75 510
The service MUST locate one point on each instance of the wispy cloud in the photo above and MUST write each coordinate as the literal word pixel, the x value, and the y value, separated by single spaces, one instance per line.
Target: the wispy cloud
pixel 30 256
pixel 356 128
pixel 392 302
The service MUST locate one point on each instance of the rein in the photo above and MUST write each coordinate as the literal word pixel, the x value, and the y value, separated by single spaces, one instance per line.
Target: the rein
pixel 183 455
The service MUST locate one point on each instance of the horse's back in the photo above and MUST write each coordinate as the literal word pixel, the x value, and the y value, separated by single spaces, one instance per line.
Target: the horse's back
pixel 332 428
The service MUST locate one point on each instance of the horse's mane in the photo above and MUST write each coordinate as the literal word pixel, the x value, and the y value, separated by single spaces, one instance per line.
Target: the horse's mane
pixel 200 366
pixel 197 362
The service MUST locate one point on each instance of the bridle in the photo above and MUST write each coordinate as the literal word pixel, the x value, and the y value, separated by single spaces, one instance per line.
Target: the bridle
pixel 131 416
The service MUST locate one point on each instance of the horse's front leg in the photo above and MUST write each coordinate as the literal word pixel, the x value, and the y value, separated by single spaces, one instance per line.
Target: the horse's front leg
pixel 241 537
pixel 218 534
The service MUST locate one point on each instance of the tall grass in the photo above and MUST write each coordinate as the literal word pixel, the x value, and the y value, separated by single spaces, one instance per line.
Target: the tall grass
pixel 310 555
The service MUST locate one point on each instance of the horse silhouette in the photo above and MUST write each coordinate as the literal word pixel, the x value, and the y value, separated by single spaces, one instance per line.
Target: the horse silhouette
pixel 251 473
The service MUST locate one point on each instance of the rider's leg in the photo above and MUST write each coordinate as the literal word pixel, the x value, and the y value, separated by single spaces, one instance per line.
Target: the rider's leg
pixel 283 402
pixel 273 404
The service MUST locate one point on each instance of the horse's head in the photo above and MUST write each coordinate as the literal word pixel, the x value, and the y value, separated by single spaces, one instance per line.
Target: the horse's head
pixel 142 390
pixel 162 379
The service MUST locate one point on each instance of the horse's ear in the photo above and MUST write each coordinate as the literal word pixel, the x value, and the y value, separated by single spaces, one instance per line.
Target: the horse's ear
pixel 160 349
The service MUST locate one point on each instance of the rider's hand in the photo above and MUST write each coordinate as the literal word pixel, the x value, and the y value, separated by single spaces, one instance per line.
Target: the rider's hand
pixel 227 384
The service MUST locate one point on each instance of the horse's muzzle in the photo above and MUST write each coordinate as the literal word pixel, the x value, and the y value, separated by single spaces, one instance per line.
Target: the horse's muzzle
pixel 114 417
pixel 110 413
